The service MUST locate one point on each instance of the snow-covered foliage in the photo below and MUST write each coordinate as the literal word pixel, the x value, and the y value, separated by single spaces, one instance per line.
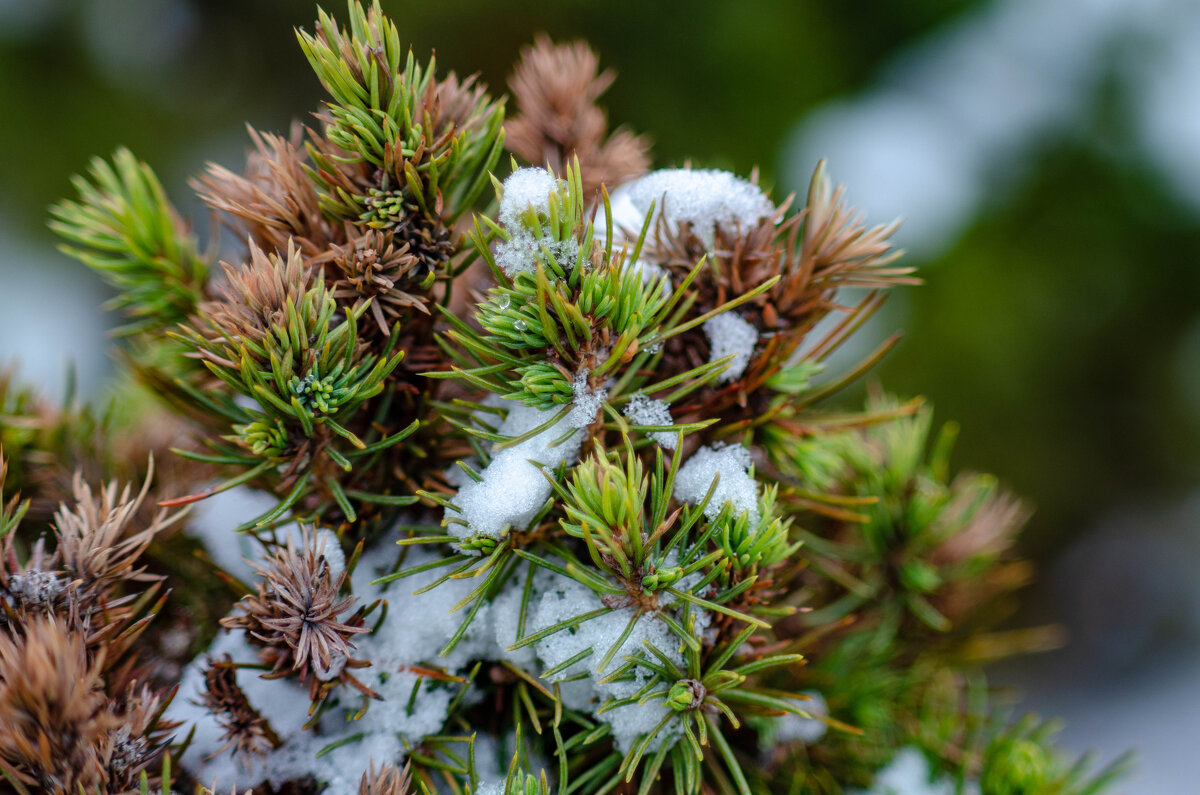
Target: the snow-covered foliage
pixel 447 543
pixel 529 189
pixel 707 199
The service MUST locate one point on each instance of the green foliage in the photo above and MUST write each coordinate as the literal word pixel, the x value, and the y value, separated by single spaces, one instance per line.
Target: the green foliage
pixel 123 227
pixel 763 540
pixel 384 111
pixel 1021 760
pixel 917 534
pixel 853 570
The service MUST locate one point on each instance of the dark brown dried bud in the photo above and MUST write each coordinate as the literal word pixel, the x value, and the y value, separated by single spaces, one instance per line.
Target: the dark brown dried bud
pixel 381 266
pixel 246 730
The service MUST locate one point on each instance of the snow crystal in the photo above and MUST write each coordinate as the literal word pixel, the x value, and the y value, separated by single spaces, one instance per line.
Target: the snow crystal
pixel 705 198
pixel 588 402
pixel 524 189
pixel 736 486
pixel 519 255
pixel 512 490
pixel 562 599
pixel 641 410
pixel 793 728
pixel 730 334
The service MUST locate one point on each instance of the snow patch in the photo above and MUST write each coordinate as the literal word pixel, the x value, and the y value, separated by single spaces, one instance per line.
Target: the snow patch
pixel 526 188
pixel 412 708
pixel 908 774
pixel 728 334
pixel 793 728
pixel 707 199
pixel 331 549
pixel 641 410
pixel 736 486
pixel 588 402
pixel 561 599
pixel 512 490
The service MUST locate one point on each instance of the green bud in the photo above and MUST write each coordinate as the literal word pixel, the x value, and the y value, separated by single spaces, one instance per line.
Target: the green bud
pixel 384 208
pixel 663 578
pixel 484 544
pixel 686 694
pixel 265 437
pixel 543 385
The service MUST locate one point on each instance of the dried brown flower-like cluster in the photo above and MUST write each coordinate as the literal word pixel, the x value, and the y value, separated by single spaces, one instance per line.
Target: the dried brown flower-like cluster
pixel 296 615
pixel 74 714
pixel 556 88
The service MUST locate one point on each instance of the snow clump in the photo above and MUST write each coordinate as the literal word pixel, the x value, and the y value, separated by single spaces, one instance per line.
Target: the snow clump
pixel 525 189
pixel 512 490
pixel 588 401
pixel 732 464
pixel 641 410
pixel 730 334
pixel 707 199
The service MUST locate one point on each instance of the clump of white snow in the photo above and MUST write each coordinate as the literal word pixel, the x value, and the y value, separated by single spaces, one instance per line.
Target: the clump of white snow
pixel 707 199
pixel 588 401
pixel 731 463
pixel 525 189
pixel 512 490
pixel 730 334
pixel 641 410
pixel 413 706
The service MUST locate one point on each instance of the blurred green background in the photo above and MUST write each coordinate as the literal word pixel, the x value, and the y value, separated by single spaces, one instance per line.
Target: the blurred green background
pixel 1044 149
